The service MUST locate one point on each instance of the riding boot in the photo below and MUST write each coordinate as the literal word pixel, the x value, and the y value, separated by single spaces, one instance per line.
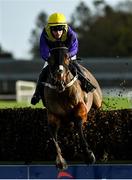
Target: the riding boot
pixel 85 82
pixel 39 91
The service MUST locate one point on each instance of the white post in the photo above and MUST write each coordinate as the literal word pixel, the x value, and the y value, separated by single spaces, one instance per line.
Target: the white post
pixel 24 90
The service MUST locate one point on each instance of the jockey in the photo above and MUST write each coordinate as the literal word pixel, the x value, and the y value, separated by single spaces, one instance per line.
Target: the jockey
pixel 57 30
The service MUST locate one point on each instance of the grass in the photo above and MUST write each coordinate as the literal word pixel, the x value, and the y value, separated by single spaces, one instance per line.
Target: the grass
pixel 110 103
pixel 113 103
pixel 14 104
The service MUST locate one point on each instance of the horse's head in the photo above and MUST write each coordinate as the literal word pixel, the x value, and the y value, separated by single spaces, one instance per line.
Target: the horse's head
pixel 58 65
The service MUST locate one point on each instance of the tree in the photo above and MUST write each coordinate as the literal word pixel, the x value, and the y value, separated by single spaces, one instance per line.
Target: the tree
pixel 5 54
pixel 81 18
pixel 125 6
pixel 106 35
pixel 99 5
pixel 81 21
pixel 35 34
pixel 111 35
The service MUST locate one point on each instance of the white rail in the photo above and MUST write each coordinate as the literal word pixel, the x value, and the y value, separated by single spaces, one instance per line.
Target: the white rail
pixel 24 90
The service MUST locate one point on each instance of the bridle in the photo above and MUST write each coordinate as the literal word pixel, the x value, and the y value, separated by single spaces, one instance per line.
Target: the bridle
pixel 65 86
pixel 60 85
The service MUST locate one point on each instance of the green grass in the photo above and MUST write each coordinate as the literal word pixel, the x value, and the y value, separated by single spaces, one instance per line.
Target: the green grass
pixel 110 103
pixel 14 104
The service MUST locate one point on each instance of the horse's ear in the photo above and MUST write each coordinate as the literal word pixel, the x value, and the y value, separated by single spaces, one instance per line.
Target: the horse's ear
pixel 67 59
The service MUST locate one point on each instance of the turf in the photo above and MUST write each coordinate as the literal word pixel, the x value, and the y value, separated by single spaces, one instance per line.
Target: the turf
pixel 14 104
pixel 109 103
pixel 113 103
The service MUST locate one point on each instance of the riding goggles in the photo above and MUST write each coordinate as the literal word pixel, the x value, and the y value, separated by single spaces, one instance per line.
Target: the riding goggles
pixel 57 28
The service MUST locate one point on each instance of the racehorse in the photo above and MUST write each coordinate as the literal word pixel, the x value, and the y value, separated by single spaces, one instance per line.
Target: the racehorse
pixel 64 98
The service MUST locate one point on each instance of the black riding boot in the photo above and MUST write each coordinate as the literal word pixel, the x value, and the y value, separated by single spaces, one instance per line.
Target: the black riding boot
pixel 39 91
pixel 85 82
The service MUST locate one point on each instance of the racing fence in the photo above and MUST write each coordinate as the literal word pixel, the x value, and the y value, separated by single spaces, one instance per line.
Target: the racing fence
pixel 24 136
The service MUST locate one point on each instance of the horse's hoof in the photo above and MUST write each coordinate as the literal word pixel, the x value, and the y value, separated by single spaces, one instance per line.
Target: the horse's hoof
pixel 92 158
pixel 89 157
pixel 61 164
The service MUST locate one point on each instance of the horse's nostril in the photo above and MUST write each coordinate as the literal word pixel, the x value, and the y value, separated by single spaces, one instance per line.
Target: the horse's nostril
pixel 60 71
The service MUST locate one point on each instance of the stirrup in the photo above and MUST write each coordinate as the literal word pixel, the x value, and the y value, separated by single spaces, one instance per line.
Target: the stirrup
pixel 90 87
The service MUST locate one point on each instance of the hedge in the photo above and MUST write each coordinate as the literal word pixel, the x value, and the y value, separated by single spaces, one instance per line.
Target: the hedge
pixel 24 136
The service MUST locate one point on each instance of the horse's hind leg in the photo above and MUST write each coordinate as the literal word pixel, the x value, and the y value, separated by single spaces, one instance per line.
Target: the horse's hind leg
pixel 80 117
pixel 53 129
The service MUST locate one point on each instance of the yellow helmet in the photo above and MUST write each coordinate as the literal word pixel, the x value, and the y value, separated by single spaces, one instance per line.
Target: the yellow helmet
pixel 57 19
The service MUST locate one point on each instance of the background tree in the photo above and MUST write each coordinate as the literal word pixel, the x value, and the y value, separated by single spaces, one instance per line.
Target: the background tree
pixel 107 35
pixel 35 34
pixel 125 6
pixel 81 20
pixel 99 5
pixel 111 35
pixel 81 17
pixel 5 54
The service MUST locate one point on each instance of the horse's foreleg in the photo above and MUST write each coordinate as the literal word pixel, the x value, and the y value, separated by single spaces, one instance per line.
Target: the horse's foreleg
pixel 88 154
pixel 53 129
pixel 81 117
pixel 60 161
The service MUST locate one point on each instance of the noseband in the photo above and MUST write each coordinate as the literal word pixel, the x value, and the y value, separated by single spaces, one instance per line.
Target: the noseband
pixel 64 86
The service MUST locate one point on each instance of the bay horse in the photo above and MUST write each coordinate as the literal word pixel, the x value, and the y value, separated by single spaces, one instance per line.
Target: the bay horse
pixel 64 98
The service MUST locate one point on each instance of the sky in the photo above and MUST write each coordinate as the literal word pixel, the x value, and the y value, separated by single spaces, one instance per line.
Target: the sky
pixel 18 17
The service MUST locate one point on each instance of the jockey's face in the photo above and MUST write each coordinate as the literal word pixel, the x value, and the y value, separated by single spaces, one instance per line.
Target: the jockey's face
pixel 57 34
pixel 57 31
